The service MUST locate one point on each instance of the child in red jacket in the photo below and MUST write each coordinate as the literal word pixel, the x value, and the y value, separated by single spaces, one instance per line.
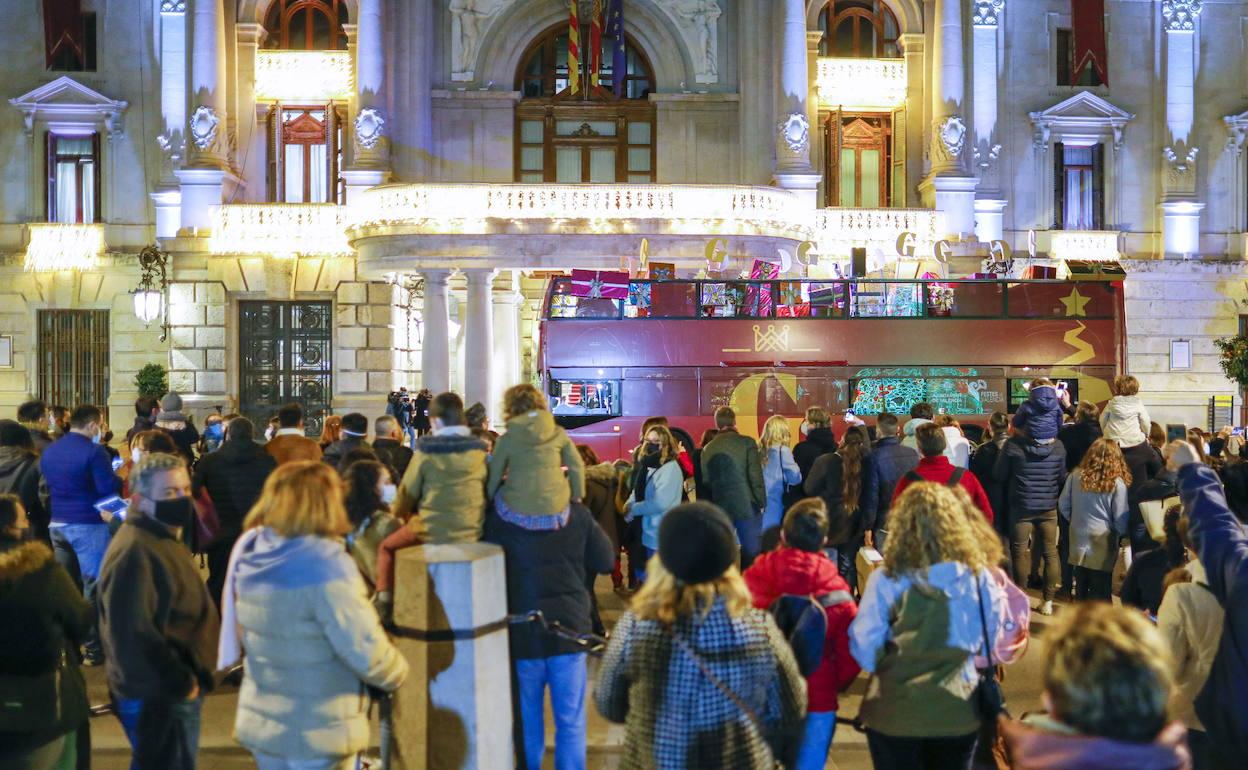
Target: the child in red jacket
pixel 800 567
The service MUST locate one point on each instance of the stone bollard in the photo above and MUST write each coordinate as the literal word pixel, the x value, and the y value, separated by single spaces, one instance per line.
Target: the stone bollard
pixel 450 611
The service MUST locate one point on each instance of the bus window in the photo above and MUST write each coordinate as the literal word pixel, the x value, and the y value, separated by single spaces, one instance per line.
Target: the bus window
pixel 674 299
pixel 880 299
pixel 585 397
pixel 827 300
pixel 965 300
pixel 565 304
pixel 737 299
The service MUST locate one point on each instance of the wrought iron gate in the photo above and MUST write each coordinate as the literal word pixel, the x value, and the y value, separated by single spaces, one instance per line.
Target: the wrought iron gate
pixel 286 354
pixel 73 357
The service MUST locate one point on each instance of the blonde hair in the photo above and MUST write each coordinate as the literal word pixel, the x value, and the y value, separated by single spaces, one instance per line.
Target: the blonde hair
pixel 776 433
pixel 301 498
pixel 817 417
pixel 1102 466
pixel 932 523
pixel 1126 385
pixel 665 599
pixel 669 448
pixel 1108 673
pixel 521 399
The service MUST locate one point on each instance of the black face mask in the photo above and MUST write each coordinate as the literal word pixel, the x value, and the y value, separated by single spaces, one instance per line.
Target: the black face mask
pixel 174 513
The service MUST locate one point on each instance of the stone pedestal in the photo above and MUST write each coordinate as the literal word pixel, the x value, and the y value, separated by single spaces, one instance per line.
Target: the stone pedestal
pixel 168 205
pixel 360 179
pixel 990 219
pixel 1181 227
pixel 201 195
pixel 450 607
pixel 954 196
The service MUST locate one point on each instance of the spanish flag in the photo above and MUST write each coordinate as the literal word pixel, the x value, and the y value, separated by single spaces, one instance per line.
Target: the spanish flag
pixel 595 43
pixel 574 48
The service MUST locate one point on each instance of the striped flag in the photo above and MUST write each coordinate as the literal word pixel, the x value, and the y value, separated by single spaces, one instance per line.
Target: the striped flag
pixel 574 48
pixel 619 51
pixel 595 43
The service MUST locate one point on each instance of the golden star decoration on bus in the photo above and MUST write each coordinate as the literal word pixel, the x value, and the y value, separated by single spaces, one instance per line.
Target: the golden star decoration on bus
pixel 1075 303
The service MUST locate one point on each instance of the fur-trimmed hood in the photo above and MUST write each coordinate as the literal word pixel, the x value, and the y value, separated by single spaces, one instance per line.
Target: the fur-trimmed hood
pixel 17 560
pixel 450 444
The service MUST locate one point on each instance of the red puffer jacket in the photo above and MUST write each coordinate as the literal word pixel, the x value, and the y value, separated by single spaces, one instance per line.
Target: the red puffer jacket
pixel 790 571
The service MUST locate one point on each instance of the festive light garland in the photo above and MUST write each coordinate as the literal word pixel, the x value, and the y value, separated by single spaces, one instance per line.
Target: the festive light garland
pixel 55 247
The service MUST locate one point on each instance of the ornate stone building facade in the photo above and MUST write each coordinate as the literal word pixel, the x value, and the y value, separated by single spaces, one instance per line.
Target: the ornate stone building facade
pixel 361 194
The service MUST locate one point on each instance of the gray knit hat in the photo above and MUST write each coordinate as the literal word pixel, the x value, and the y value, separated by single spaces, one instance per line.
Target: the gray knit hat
pixel 172 402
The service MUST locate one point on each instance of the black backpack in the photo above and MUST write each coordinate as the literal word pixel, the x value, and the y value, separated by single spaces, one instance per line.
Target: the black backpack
pixel 803 619
pixel 954 480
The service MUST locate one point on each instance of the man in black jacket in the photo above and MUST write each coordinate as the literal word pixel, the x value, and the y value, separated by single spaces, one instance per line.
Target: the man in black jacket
pixel 983 465
pixel 146 409
pixel 157 622
pixel 1033 472
pixel 33 415
pixel 388 444
pixel 233 476
pixel 819 440
pixel 354 434
pixel 20 475
pixel 889 462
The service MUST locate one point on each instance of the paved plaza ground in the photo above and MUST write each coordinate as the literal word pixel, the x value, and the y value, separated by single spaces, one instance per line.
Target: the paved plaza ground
pixel 218 751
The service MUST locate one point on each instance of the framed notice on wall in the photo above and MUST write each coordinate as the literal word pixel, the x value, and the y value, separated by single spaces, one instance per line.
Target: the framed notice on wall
pixel 6 352
pixel 1180 354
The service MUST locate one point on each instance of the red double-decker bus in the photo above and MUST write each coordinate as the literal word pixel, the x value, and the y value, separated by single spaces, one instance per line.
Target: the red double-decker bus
pixel 683 348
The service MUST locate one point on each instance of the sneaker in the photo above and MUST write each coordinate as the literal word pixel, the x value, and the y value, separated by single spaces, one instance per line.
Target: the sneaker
pixel 1046 608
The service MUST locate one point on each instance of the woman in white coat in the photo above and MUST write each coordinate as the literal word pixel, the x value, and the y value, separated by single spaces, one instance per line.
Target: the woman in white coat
pixel 295 601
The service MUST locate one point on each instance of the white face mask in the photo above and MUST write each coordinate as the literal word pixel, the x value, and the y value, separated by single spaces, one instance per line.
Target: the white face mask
pixel 388 493
pixel 136 454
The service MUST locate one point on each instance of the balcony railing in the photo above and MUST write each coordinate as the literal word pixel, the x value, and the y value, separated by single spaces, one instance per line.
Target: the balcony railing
pixel 311 76
pixel 53 247
pixel 1093 245
pixel 281 230
pixel 837 230
pixel 876 85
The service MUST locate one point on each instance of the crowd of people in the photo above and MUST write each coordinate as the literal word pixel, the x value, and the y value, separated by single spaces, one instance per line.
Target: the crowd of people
pixel 764 578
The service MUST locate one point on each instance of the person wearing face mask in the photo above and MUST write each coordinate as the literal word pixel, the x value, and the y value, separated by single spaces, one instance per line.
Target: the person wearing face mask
pixel 442 495
pixel 79 474
pixel 45 618
pixel 157 621
pixel 233 477
pixel 656 487
pixel 369 491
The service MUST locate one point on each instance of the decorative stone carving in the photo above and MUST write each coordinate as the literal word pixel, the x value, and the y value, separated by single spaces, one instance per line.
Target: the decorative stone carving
pixel 369 127
pixel 986 155
pixel 1180 168
pixel 699 25
pixel 172 146
pixel 203 126
pixel 173 6
pixel 1237 127
pixel 950 138
pixel 987 13
pixel 1180 15
pixel 469 21
pixel 65 100
pixel 795 132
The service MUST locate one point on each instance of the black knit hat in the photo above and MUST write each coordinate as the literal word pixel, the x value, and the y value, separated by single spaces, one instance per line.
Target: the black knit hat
pixel 697 542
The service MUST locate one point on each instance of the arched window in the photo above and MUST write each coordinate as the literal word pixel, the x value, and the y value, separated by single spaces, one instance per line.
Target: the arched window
pixel 306 25
pixel 861 29
pixel 591 136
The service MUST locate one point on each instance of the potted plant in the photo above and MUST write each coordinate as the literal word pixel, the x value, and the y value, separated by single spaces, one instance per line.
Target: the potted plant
pixel 1234 358
pixel 940 300
pixel 152 381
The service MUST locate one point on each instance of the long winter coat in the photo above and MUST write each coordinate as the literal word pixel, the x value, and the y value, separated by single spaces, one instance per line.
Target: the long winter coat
pixel 677 719
pixel 44 620
pixel 779 471
pixel 733 472
pixel 234 476
pixel 1033 473
pixel 312 641
pixel 1097 521
pixel 1191 620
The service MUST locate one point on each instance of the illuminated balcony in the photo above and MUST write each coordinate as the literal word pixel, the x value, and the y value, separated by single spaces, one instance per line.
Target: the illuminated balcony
pixel 54 247
pixel 312 76
pixel 837 230
pixel 861 85
pixel 1089 245
pixel 280 230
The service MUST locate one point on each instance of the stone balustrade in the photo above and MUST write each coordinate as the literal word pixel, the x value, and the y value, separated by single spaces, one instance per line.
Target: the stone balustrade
pixel 1098 245
pixel 861 84
pixel 280 229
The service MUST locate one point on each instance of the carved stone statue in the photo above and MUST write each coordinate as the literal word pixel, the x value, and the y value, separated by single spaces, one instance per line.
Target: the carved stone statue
pixel 700 25
pixel 468 21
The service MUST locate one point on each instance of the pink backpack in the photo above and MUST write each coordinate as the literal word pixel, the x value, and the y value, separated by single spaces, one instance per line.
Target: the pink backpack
pixel 1015 621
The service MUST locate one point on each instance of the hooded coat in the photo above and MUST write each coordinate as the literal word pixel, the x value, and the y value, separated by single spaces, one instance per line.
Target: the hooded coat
pixel 907 431
pixel 312 641
pixel 531 457
pixel 444 485
pixel 20 475
pixel 1033 473
pixel 1041 414
pixel 45 619
pixel 818 442
pixel 793 571
pixel 1040 743
pixel 1126 421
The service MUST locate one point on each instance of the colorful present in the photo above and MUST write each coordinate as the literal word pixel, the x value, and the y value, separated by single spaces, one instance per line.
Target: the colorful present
pixel 639 294
pixel 662 271
pixel 714 294
pixel 794 311
pixel 599 284
pixel 766 271
pixel 1039 273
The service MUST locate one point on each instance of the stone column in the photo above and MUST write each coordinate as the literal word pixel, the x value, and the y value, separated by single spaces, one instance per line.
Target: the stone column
pixel 478 337
pixel 371 157
pixel 450 613
pixel 989 203
pixel 207 124
pixel 167 197
pixel 793 169
pixel 1179 204
pixel 948 186
pixel 506 372
pixel 435 350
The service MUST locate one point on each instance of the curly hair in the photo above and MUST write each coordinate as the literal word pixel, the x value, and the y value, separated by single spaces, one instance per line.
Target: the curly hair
pixel 932 523
pixel 1108 673
pixel 521 399
pixel 665 599
pixel 1102 466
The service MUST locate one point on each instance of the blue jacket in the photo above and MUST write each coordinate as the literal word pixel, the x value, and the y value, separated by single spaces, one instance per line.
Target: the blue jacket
pixel 1033 474
pixel 1222 546
pixel 79 474
pixel 889 462
pixel 1041 414
pixel 780 470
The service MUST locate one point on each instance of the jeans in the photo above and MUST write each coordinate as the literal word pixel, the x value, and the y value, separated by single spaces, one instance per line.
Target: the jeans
pixel 1093 584
pixel 816 740
pixel 411 437
pixel 60 753
pixel 567 676
pixel 750 536
pixel 80 548
pixel 1029 536
pixel 272 762
pixel 162 735
pixel 893 753
pixel 641 571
